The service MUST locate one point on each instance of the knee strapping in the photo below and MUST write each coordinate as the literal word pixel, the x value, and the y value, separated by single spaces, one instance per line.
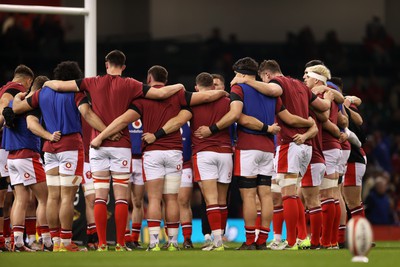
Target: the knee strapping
pixel 172 184
pixel 328 183
pixel 53 180
pixel 121 179
pixel 263 180
pixel 70 180
pixel 101 182
pixel 244 182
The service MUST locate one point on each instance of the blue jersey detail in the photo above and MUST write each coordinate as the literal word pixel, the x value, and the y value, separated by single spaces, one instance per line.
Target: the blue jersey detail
pixel 259 106
pixel 59 111
pixel 135 132
pixel 20 137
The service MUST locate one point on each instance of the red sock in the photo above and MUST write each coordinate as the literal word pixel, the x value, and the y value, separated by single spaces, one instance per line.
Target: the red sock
pixel 224 216
pixel 357 211
pixel 127 236
pixel 336 223
pixel 277 220
pixel 342 234
pixel 136 231
pixel 7 227
pixel 301 223
pixel 42 229
pixel 291 216
pixel 263 235
pixel 121 215
pixel 250 234
pixel 187 230
pixel 91 229
pixel 328 216
pixel 54 232
pixel 66 233
pixel 258 220
pixel 307 216
pixel 30 225
pixel 315 225
pixel 100 217
pixel 214 217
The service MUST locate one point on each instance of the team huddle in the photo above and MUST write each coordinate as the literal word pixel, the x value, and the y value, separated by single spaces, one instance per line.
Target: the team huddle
pixel 293 148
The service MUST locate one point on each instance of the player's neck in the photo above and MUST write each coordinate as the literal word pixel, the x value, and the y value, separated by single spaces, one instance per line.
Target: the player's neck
pixel 114 71
pixel 154 83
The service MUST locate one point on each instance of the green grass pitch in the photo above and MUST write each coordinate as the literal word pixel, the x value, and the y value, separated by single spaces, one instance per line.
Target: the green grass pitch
pixel 385 254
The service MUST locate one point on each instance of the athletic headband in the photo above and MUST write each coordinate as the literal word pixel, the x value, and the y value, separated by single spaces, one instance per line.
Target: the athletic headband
pixel 246 71
pixel 317 76
pixel 332 85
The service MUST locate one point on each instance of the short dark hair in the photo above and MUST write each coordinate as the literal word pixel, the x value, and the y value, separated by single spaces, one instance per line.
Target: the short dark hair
pixel 314 62
pixel 204 79
pixel 246 65
pixel 270 65
pixel 337 81
pixel 159 73
pixel 67 70
pixel 23 70
pixel 38 82
pixel 219 77
pixel 116 58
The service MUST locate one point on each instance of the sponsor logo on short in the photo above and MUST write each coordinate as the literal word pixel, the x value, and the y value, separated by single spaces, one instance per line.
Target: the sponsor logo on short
pixel 89 175
pixel 27 175
pixel 6 167
pixel 124 163
pixel 178 167
pixel 68 165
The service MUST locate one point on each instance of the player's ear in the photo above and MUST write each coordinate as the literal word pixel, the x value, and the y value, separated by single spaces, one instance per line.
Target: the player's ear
pixel 123 67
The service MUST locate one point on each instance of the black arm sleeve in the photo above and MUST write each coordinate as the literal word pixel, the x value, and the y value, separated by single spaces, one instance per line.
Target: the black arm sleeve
pixel 235 97
pixel 313 97
pixel 84 100
pixel 146 89
pixel 188 97
pixel 78 83
pixel 12 91
pixel 135 108
pixel 36 112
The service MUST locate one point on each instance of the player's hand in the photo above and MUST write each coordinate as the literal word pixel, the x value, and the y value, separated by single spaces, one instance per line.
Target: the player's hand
pixel 203 132
pixel 20 96
pixel 329 95
pixel 299 139
pixel 149 138
pixel 274 129
pixel 347 101
pixel 96 143
pixel 115 137
pixel 237 80
pixel 55 137
pixel 343 137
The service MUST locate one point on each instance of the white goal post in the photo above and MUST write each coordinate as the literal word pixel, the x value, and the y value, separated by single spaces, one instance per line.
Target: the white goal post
pixel 89 11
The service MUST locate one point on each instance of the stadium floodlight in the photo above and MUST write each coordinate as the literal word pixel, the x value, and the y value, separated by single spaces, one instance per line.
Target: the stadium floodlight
pixel 89 11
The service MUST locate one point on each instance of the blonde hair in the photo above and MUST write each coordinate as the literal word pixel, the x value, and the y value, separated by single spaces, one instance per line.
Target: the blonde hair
pixel 321 70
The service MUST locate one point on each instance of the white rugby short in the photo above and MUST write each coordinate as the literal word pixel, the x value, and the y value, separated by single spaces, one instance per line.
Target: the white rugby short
pixel 210 165
pixel 253 162
pixel 68 162
pixel 292 158
pixel 27 171
pixel 343 161
pixel 354 174
pixel 137 172
pixel 160 163
pixel 115 159
pixel 3 163
pixel 187 177
pixel 314 175
pixel 332 160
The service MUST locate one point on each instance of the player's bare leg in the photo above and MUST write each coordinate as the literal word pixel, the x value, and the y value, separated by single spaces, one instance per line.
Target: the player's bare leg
pixel 185 210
